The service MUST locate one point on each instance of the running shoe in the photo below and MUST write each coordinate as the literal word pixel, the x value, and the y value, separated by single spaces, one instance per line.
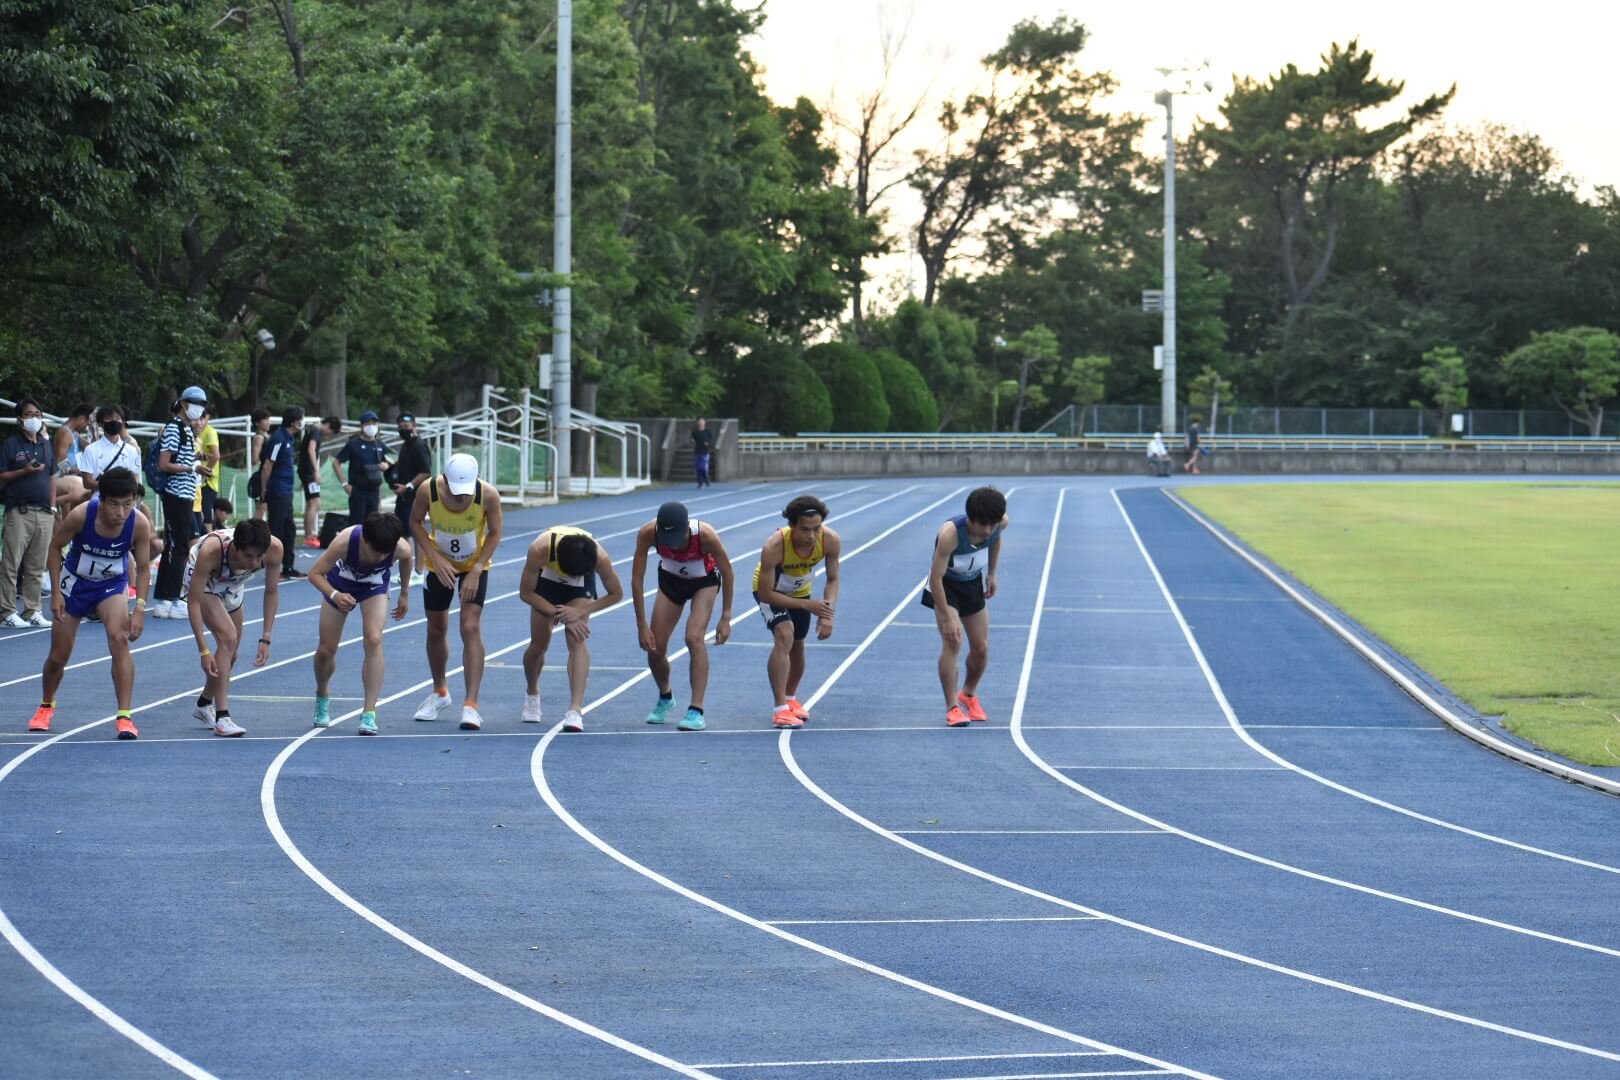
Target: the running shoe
pixel 970 705
pixel 14 621
pixel 785 718
pixel 293 575
pixel 470 720
pixel 432 705
pixel 368 724
pixel 798 710
pixel 127 728
pixel 45 583
pixel 228 728
pixel 531 709
pixel 955 717
pixel 42 718
pixel 323 712
pixel 312 541
pixel 573 721
pixel 203 714
pixel 660 712
pixel 39 619
pixel 692 721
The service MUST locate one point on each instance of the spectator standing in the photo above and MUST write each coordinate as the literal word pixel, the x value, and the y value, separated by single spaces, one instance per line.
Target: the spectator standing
pixel 208 457
pixel 414 468
pixel 67 445
pixel 29 495
pixel 1191 445
pixel 1158 454
pixel 261 431
pixel 365 456
pixel 276 479
pixel 114 450
pixel 309 474
pixel 178 467
pixel 702 447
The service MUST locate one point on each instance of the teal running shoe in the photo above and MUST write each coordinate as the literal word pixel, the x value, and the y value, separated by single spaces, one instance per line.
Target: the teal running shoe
pixel 323 712
pixel 368 723
pixel 692 721
pixel 660 712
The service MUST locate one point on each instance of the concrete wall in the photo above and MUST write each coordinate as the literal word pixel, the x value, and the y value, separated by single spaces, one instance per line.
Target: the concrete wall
pixel 784 466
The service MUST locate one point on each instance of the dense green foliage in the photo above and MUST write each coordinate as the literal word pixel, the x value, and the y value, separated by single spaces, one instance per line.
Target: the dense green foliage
pixel 372 185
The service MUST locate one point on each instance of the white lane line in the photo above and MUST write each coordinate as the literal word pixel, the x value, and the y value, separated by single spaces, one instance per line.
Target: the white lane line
pixel 1106 610
pixel 187 638
pixel 900 1060
pixel 901 922
pixel 1173 768
pixel 1382 728
pixel 1059 1076
pixel 1452 721
pixel 1031 833
pixel 935 626
pixel 267 806
pixel 784 746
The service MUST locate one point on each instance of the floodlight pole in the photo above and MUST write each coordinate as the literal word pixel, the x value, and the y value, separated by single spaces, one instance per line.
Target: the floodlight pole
pixel 1167 392
pixel 562 245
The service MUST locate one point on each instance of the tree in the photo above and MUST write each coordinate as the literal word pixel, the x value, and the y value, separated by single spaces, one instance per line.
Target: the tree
pixel 854 387
pixel 943 346
pixel 1004 138
pixel 1084 379
pixel 1577 370
pixel 912 407
pixel 1289 147
pixel 1444 374
pixel 1037 345
pixel 1206 391
pixel 776 390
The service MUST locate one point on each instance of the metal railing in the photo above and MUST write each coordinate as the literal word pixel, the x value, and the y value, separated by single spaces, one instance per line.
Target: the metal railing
pixel 1073 421
pixel 777 444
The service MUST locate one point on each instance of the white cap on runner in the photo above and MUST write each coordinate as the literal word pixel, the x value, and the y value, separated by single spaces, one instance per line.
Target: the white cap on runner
pixel 461 473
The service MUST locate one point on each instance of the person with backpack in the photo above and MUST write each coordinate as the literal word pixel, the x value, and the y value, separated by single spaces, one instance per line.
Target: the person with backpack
pixel 175 477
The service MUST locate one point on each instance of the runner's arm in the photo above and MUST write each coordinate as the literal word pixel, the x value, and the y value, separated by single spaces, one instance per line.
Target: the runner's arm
pixel 142 550
pixel 610 579
pixel 638 572
pixel 334 551
pixel 944 545
pixel 66 529
pixel 709 541
pixel 832 547
pixel 494 526
pixel 272 587
pixel 208 557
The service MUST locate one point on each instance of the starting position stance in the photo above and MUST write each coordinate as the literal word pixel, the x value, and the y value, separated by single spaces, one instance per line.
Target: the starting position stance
pixel 457 527
pixel 963 576
pixel 692 567
pixel 559 583
pixel 104 534
pixel 782 586
pixel 353 573
pixel 217 572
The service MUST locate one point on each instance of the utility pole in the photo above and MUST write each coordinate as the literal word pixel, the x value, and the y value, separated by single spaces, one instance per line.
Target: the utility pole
pixel 562 250
pixel 1167 97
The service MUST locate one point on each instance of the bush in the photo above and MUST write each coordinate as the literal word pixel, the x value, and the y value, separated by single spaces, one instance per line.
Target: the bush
pixel 911 404
pixel 854 385
pixel 775 390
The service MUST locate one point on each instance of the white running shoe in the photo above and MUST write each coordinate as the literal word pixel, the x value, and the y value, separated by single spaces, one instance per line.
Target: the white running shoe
pixel 573 721
pixel 39 619
pixel 160 610
pixel 531 709
pixel 432 705
pixel 177 610
pixel 203 714
pixel 229 728
pixel 14 621
pixel 470 720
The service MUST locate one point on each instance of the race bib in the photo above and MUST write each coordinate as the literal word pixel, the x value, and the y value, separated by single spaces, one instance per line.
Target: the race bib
pixel 790 584
pixel 681 569
pixel 971 564
pixel 313 489
pixel 98 567
pixel 458 546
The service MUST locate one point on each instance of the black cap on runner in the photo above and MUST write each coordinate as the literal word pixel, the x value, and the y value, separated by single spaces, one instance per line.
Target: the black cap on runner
pixel 674 526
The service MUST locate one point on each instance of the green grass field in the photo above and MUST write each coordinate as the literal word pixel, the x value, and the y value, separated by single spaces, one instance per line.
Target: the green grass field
pixel 1507 592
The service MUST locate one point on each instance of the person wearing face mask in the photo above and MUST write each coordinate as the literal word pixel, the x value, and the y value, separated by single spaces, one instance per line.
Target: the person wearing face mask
pixel 179 469
pixel 276 481
pixel 112 451
pixel 365 456
pixel 29 493
pixel 413 469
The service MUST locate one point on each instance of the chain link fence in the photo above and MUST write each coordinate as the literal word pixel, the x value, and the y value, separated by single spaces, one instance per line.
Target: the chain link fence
pixel 1073 422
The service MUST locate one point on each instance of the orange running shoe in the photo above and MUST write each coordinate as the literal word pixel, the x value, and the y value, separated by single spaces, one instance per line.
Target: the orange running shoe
pixel 127 729
pixel 970 705
pixel 42 718
pixel 798 710
pixel 785 718
pixel 955 717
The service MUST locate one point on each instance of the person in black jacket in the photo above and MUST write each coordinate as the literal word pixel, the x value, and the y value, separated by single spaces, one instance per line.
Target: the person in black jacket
pixel 413 469
pixel 702 447
pixel 366 458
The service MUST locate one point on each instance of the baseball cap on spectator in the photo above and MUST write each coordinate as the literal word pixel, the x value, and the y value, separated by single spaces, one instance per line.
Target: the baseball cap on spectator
pixel 461 473
pixel 194 393
pixel 367 415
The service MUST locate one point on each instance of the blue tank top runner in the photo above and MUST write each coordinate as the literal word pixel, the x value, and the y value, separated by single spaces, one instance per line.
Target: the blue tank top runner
pixel 357 577
pixel 97 559
pixel 969 561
